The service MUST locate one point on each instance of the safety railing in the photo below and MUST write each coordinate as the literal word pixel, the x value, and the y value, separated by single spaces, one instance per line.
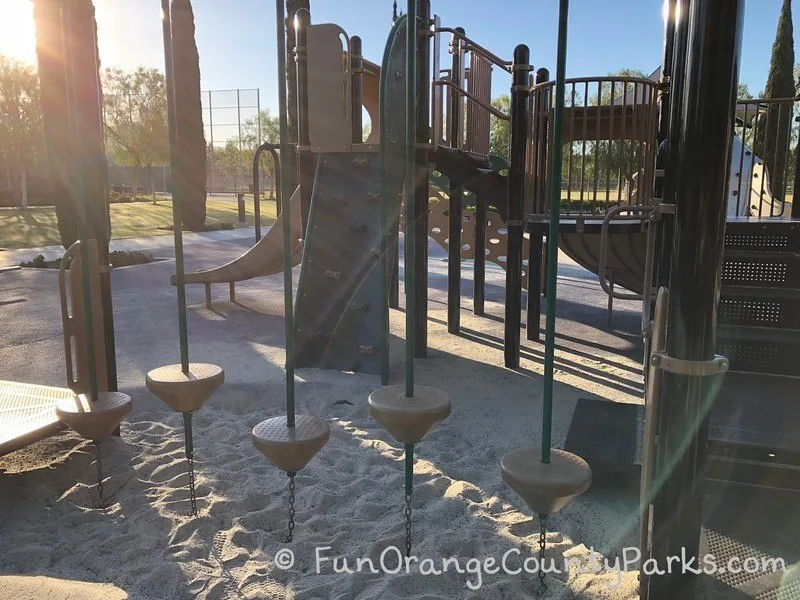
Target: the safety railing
pixel 762 162
pixel 609 132
pixel 462 103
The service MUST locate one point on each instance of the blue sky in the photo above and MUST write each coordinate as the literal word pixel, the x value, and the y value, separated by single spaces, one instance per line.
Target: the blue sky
pixel 236 38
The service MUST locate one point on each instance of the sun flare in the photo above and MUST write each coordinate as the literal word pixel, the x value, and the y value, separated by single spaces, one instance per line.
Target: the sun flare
pixel 17 30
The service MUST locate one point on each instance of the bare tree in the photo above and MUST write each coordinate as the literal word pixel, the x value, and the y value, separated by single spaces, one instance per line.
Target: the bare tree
pixel 21 138
pixel 135 117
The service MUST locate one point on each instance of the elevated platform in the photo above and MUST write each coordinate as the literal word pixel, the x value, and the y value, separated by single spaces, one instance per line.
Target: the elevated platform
pixel 28 413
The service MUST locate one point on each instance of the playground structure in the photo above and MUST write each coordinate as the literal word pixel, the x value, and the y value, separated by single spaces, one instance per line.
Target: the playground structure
pixel 345 216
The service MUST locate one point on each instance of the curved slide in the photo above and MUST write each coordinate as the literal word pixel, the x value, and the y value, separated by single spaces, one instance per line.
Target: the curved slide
pixel 265 258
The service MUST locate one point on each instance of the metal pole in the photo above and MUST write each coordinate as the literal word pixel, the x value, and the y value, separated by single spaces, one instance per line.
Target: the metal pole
pixel 209 170
pixel 239 123
pixel 78 189
pixel 177 182
pixel 704 133
pixel 456 191
pixel 420 25
pixel 536 244
pixel 516 192
pixel 258 113
pixel 411 189
pixel 257 192
pixel 357 70
pixel 669 159
pixel 796 186
pixel 287 228
pixel 552 234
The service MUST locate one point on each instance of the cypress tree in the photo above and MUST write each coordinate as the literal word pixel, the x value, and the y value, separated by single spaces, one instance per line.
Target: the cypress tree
pixel 773 146
pixel 191 151
pixel 52 45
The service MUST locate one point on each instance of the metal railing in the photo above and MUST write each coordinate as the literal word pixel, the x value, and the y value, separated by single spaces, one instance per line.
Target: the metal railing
pixel 610 130
pixel 462 115
pixel 762 162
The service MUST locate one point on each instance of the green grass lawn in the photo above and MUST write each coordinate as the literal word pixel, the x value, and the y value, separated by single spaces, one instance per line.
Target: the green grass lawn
pixel 37 226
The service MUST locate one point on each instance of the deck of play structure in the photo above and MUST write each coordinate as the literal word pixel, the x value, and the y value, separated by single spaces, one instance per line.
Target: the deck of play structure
pixel 671 210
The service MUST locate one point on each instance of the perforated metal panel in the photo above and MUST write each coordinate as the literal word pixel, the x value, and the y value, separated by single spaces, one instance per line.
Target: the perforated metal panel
pixel 755 356
pixel 759 270
pixel 763 312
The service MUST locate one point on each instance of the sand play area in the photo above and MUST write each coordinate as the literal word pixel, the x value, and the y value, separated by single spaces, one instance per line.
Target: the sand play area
pixel 350 497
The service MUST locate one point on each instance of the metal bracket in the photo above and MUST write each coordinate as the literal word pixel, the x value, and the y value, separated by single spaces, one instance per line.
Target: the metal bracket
pixel 690 368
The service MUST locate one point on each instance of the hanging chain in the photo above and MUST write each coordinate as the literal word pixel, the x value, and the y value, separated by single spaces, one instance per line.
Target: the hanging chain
pixel 291 507
pixel 192 495
pixel 99 465
pixel 408 524
pixel 540 591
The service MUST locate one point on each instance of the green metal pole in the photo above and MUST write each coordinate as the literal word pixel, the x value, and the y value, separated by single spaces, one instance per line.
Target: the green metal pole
pixel 552 235
pixel 287 230
pixel 411 200
pixel 177 183
pixel 79 195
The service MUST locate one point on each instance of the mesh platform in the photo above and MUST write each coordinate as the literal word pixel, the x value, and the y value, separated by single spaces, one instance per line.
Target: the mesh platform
pixel 27 413
pixel 756 525
pixel 604 433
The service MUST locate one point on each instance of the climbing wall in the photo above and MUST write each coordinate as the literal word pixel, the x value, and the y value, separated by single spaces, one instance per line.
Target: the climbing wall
pixel 338 317
pixel 496 233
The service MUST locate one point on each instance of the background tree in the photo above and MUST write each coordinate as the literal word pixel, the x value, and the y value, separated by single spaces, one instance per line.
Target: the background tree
pixel 21 137
pixel 262 127
pixel 190 175
pixel 233 161
pixel 500 130
pixel 135 117
pixel 772 141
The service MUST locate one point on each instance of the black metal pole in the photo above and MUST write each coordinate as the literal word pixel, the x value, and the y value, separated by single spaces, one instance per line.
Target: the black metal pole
pixel 306 160
pixel 479 264
pixel 796 187
pixel 516 184
pixel 671 116
pixel 422 167
pixel 704 134
pixel 272 148
pixel 536 245
pixel 257 192
pixel 666 66
pixel 357 93
pixel 455 114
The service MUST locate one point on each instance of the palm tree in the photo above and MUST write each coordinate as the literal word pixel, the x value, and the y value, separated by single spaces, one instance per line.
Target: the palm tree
pixel 191 150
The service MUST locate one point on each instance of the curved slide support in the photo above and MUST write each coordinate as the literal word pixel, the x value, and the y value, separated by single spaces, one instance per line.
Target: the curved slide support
pixel 265 258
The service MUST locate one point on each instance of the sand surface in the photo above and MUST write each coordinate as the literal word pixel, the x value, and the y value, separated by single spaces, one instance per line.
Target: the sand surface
pixel 349 498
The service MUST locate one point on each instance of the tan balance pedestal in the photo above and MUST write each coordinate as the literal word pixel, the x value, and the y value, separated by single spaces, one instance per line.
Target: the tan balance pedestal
pixel 290 448
pixel 94 419
pixel 185 392
pixel 409 420
pixel 545 487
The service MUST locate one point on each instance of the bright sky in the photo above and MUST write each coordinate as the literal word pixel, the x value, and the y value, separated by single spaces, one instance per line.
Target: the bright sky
pixel 236 38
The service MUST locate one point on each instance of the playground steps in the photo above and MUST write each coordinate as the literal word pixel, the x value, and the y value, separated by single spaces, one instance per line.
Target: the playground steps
pixel 754 432
pixel 477 176
pixel 338 321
